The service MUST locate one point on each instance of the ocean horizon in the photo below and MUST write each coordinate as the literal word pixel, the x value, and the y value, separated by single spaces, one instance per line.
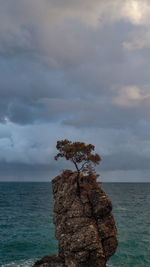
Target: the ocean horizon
pixel 27 229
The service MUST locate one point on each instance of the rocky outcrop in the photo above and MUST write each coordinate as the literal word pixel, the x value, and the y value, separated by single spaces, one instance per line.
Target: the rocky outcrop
pixel 84 225
pixel 50 261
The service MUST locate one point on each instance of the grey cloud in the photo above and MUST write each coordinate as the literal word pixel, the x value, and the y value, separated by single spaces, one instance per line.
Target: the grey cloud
pixel 22 84
pixel 4 133
pixel 22 113
pixel 63 63
pixel 33 150
pixel 21 172
pixel 125 161
pixel 55 34
pixel 89 62
pixel 107 116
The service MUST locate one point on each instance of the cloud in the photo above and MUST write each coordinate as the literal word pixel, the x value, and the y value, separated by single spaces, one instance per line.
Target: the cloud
pixel 29 144
pixel 76 70
pixel 137 11
pixel 139 37
pixel 36 29
pixel 130 97
pixel 28 151
pixel 126 162
pixel 138 40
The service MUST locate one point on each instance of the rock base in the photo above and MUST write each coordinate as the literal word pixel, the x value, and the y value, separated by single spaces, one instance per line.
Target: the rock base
pixel 49 261
pixel 84 224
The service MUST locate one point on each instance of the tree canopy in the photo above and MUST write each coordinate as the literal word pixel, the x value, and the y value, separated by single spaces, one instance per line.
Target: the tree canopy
pixel 83 158
pixel 79 154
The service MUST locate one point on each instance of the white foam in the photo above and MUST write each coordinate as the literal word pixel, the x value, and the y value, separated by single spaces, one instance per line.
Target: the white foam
pixel 121 208
pixel 28 263
pixel 21 263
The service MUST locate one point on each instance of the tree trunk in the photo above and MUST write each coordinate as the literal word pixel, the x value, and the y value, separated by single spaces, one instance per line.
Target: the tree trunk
pixel 78 184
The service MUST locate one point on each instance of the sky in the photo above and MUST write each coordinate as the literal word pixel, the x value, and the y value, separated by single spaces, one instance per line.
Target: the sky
pixel 76 70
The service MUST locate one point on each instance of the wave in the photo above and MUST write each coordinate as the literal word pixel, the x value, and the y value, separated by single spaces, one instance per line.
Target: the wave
pixel 27 263
pixel 21 263
pixel 121 208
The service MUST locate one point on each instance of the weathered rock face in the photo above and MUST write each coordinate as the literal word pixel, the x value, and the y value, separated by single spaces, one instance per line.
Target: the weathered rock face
pixel 84 225
pixel 50 261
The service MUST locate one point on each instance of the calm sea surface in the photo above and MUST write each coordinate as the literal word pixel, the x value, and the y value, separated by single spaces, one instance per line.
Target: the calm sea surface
pixel 27 230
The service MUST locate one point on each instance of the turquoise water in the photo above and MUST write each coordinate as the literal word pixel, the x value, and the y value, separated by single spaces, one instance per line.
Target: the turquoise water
pixel 27 231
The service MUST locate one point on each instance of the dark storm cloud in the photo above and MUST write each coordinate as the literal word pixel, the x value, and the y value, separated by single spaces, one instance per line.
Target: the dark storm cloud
pixel 76 70
pixel 126 162
pixel 18 171
pixel 23 84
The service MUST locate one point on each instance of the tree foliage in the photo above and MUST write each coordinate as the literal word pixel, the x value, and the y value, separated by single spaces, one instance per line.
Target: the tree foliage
pixel 80 154
pixel 84 160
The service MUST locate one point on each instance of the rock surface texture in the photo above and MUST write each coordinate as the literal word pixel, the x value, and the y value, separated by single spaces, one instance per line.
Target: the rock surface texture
pixel 84 225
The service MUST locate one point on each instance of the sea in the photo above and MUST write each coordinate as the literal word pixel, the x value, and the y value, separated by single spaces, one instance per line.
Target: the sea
pixel 27 230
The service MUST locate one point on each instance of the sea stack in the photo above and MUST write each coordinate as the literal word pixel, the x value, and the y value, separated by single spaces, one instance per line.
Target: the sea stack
pixel 84 224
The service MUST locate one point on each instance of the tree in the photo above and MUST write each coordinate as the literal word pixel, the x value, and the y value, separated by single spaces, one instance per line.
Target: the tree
pixel 81 156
